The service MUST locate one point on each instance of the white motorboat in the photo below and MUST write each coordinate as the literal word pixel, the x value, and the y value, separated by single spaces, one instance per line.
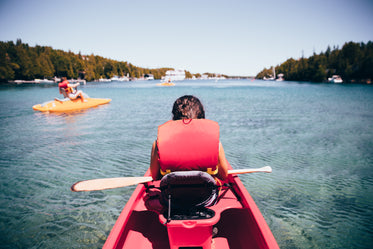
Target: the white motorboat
pixel 335 79
pixel 117 78
pixel 280 77
pixel 174 75
pixel 272 77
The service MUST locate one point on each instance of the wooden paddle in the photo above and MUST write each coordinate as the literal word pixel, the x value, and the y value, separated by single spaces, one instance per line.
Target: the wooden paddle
pixel 119 182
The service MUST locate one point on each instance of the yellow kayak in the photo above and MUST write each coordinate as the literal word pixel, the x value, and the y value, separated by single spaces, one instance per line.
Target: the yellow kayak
pixel 166 84
pixel 67 105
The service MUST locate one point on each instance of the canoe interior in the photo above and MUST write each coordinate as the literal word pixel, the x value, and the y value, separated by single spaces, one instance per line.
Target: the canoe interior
pixel 145 231
pixel 239 224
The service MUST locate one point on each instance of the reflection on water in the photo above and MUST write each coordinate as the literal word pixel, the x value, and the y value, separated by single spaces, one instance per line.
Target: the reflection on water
pixel 317 138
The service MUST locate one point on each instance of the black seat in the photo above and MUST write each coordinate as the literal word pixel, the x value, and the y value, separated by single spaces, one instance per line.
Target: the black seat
pixel 188 193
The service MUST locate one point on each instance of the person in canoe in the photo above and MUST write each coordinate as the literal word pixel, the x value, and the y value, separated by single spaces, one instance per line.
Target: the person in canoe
pixel 69 90
pixel 188 142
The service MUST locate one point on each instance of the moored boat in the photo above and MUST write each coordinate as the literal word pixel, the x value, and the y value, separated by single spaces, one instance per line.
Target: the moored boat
pixel 174 75
pixel 117 78
pixel 40 81
pixel 233 222
pixel 271 77
pixel 67 105
pixel 335 79
pixel 280 77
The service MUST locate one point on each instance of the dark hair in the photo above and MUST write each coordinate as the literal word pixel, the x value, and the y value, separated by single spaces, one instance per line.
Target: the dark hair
pixel 188 107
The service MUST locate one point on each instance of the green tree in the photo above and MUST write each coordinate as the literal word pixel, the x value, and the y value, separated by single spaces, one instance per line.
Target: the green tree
pixel 354 62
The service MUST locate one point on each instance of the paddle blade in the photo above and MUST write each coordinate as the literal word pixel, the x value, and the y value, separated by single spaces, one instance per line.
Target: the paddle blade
pixel 108 183
pixel 266 169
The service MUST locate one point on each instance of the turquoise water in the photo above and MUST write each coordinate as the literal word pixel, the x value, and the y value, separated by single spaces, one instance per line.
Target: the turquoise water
pixel 318 138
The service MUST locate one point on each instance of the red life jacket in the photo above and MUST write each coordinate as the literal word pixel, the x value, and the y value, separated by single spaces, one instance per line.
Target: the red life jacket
pixel 188 144
pixel 64 85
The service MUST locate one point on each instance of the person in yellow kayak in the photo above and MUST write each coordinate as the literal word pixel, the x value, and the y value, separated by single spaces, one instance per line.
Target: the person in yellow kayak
pixel 188 142
pixel 69 90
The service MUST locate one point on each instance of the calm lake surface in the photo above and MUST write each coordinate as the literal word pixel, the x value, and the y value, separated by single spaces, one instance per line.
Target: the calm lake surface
pixel 318 138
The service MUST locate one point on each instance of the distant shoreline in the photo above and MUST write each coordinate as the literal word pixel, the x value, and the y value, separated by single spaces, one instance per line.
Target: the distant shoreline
pixel 84 82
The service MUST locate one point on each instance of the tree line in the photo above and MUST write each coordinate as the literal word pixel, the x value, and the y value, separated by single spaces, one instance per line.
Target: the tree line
pixel 354 63
pixel 19 61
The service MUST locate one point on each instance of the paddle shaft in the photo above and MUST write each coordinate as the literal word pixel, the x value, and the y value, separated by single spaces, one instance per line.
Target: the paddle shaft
pixel 119 182
pixel 266 169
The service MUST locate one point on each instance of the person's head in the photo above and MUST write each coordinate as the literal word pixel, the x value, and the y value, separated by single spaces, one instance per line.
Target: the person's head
pixel 188 107
pixel 63 78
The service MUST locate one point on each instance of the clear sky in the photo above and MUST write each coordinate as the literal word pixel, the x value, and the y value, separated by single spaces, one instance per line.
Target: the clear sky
pixel 234 37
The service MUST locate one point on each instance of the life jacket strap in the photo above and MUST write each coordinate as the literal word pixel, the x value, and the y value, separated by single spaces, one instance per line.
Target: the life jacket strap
pixel 163 173
pixel 70 90
pixel 212 172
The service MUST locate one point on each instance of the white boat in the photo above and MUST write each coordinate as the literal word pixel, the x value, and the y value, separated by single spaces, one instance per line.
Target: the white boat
pixel 40 81
pixel 117 78
pixel 174 75
pixel 272 77
pixel 77 81
pixel 149 76
pixel 280 77
pixel 335 79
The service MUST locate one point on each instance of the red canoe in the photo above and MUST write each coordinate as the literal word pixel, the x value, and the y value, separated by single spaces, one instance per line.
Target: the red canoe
pixel 237 223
